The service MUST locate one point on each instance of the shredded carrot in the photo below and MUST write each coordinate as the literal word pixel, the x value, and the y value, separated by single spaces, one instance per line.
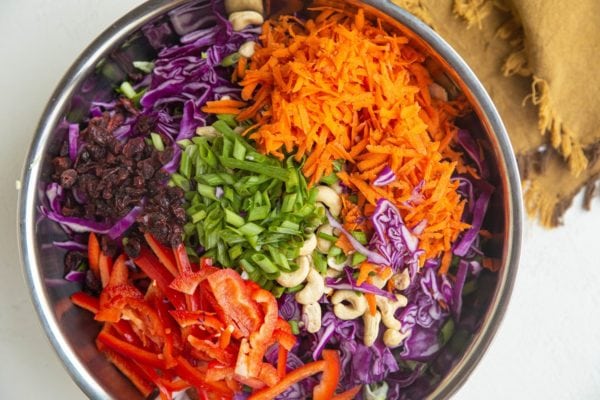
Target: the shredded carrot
pixel 220 110
pixel 340 87
pixel 371 302
pixel 446 261
pixel 365 270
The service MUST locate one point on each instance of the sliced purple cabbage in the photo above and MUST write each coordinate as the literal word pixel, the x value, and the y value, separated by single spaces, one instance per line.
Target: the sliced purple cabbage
pixel 347 282
pixel 385 177
pixel 479 211
pixel 75 276
pixel 73 141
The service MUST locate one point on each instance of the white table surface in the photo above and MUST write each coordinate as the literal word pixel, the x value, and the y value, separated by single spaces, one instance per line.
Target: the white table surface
pixel 548 346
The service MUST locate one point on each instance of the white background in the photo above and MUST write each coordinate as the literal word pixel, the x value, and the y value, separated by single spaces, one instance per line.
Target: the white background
pixel 548 346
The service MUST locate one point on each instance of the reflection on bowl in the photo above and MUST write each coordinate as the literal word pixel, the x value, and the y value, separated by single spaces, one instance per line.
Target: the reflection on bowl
pixel 93 75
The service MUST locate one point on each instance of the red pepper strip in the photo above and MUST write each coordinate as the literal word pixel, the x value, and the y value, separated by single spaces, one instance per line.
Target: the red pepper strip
pixel 173 343
pixel 105 267
pixel 285 339
pixel 185 268
pixel 93 254
pixel 348 394
pixel 120 273
pixel 187 282
pixel 175 385
pixel 291 378
pixel 225 337
pixel 234 300
pixel 112 301
pixel 203 318
pixel 157 272
pixel 212 350
pixel 331 376
pixel 196 378
pixel 259 340
pixel 128 350
pixel 85 301
pixel 268 374
pixel 165 393
pixel 124 329
pixel 132 371
pixel 182 259
pixel 282 354
pixel 145 321
pixel 164 254
pixel 218 372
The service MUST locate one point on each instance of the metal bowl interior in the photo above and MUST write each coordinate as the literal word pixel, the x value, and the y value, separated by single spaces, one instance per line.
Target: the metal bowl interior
pixel 72 331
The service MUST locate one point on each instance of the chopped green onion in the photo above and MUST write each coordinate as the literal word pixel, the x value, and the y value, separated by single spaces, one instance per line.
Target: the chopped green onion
pixel 357 258
pixel 294 326
pixel 330 179
pixel 264 263
pixel 258 213
pixel 239 151
pixel 231 59
pixel 251 229
pixel 328 237
pixel 360 236
pixel 144 66
pixel 234 219
pixel 207 191
pixel 127 90
pixel 157 141
pixel 229 119
pixel 180 181
pixel 446 332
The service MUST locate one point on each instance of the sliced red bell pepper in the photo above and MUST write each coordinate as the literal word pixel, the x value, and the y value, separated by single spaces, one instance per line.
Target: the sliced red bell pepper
pixel 86 301
pixel 164 254
pixel 207 320
pixel 112 301
pixel 182 259
pixel 282 355
pixel 145 321
pixel 268 374
pixel 331 376
pixel 233 298
pixel 225 337
pixel 348 394
pixel 259 339
pixel 163 278
pixel 93 254
pixel 187 282
pixel 128 350
pixel 212 350
pixel 291 378
pixel 124 329
pixel 132 371
pixel 105 267
pixel 173 342
pixel 120 273
pixel 217 372
pixel 198 379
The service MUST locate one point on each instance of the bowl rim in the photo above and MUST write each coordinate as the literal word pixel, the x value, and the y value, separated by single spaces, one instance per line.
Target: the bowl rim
pixel 146 12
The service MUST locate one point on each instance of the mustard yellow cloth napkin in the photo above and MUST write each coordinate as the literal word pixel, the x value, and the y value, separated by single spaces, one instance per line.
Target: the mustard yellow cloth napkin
pixel 538 59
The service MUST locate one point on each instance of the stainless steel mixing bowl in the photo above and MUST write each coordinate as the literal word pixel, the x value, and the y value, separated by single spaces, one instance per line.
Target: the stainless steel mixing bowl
pixel 72 331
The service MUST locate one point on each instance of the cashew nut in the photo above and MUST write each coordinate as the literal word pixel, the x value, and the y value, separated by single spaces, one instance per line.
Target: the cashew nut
pixel 207 131
pixel 247 49
pixel 337 188
pixel 371 327
pixel 291 279
pixel 402 280
pixel 313 290
pixel 388 309
pixel 323 245
pixel 241 19
pixel 332 273
pixel 378 281
pixel 232 6
pixel 348 305
pixel 309 245
pixel 312 316
pixel 330 199
pixel 393 338
pixel 333 264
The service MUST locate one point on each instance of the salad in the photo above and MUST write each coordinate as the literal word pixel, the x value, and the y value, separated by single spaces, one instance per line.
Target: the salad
pixel 271 209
